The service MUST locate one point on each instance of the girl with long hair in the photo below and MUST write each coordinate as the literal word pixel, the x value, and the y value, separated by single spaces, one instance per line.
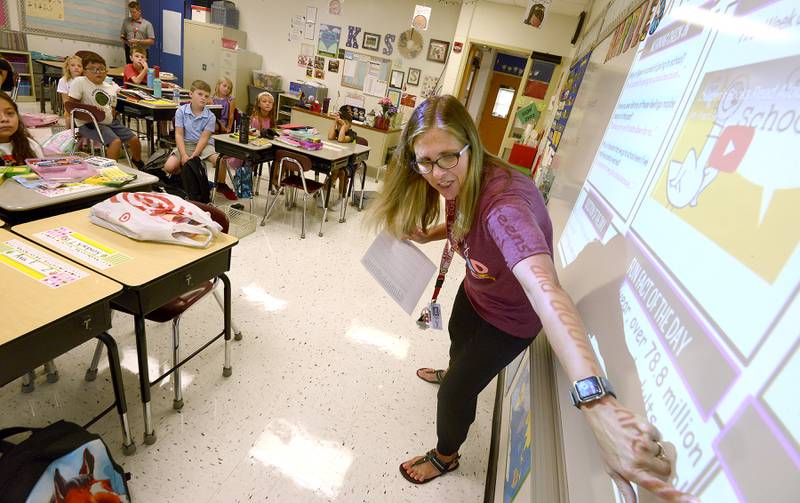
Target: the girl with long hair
pixel 16 144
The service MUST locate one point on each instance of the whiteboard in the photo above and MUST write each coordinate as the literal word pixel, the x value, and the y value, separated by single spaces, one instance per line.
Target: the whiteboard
pixel 675 224
pixel 361 68
pixel 95 21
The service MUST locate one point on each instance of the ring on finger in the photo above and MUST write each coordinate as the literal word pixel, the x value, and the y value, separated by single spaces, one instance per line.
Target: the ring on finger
pixel 660 454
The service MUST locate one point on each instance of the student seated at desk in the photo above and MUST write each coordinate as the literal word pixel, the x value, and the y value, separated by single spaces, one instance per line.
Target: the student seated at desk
pixel 342 131
pixel 73 68
pixel 222 97
pixel 263 113
pixel 136 70
pixel 93 90
pixel 16 144
pixel 194 125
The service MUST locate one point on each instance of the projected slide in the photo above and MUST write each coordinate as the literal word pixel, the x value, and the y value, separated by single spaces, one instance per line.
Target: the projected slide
pixel 693 199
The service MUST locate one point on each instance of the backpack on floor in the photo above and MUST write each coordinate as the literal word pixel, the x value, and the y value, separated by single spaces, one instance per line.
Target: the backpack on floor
pixel 57 464
pixel 195 181
pixel 243 181
pixel 170 184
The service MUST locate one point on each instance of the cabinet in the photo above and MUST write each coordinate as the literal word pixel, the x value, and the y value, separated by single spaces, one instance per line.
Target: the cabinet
pixel 21 63
pixel 285 103
pixel 206 59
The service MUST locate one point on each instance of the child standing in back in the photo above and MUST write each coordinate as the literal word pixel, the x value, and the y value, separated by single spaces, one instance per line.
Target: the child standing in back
pixel 222 96
pixel 73 68
pixel 16 144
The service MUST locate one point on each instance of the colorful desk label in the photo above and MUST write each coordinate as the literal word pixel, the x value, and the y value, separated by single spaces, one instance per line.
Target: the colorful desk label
pixel 38 265
pixel 65 189
pixel 83 248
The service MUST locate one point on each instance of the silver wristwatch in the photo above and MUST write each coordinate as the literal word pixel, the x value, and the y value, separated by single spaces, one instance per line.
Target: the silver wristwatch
pixel 590 389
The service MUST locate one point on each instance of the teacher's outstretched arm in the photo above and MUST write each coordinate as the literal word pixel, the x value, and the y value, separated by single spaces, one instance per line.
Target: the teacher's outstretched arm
pixel 629 444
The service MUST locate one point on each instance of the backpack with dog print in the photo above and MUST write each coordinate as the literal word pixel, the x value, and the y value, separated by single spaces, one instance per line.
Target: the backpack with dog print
pixel 58 464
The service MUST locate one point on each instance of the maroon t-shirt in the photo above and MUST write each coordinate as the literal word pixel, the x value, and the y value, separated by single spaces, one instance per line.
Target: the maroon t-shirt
pixel 511 224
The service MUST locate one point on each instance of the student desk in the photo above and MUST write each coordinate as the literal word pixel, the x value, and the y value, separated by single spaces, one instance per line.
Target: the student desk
pixel 331 157
pixel 18 204
pixel 381 141
pixel 152 275
pixel 255 154
pixel 153 113
pixel 60 319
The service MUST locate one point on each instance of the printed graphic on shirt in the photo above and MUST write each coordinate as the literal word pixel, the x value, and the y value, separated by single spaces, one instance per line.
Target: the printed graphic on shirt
pixel 101 97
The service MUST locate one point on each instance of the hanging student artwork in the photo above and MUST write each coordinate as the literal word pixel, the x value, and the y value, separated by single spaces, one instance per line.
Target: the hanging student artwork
pixel 534 15
pixel 333 65
pixel 328 43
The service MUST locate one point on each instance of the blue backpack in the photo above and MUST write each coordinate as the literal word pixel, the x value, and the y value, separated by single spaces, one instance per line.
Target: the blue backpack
pixel 57 462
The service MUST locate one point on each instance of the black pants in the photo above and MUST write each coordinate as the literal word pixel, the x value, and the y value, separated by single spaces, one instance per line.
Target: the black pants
pixel 478 352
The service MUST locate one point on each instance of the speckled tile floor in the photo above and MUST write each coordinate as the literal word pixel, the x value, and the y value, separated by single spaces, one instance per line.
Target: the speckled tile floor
pixel 323 403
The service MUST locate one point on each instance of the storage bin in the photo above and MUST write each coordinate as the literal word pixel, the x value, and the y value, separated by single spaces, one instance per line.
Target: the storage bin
pixel 225 13
pixel 267 80
pixel 240 223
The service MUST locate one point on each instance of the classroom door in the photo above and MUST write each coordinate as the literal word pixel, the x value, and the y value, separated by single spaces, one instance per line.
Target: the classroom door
pixel 167 18
pixel 497 110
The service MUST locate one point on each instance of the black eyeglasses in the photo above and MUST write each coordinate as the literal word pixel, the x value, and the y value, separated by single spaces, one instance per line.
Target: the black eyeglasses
pixel 447 161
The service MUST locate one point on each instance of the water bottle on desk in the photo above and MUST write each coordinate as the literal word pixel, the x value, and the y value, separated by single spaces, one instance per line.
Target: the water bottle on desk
pixel 244 128
pixel 151 75
pixel 157 87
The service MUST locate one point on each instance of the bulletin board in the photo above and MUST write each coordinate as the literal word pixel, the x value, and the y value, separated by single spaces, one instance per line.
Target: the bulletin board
pixel 357 70
pixel 98 21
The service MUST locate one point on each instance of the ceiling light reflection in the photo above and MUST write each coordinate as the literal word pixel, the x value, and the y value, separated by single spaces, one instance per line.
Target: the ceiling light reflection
pixel 386 342
pixel 734 25
pixel 257 295
pixel 312 463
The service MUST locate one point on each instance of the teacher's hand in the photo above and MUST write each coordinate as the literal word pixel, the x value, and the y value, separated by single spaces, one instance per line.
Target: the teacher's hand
pixel 633 452
pixel 418 236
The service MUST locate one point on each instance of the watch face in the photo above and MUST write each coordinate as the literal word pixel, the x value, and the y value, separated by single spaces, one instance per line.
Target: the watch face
pixel 588 388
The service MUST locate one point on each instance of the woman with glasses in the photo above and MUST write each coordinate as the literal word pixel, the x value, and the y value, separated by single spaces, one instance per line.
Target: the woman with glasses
pixel 497 221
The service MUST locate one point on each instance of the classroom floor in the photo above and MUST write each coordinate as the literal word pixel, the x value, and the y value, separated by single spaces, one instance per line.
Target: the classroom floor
pixel 323 403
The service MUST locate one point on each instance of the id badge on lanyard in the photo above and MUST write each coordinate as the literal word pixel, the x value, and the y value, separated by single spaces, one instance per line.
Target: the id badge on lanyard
pixel 431 315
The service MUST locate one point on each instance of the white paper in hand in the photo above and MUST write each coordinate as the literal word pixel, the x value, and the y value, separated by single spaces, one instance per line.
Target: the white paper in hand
pixel 400 268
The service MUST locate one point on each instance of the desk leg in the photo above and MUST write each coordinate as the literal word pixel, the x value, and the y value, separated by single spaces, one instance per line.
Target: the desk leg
pixel 328 182
pixel 346 199
pixel 144 378
pixel 216 177
pixel 128 445
pixel 227 371
pixel 41 88
pixel 150 135
pixel 363 182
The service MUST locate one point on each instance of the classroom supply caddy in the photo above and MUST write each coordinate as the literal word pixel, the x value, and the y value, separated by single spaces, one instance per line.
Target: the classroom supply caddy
pixel 240 223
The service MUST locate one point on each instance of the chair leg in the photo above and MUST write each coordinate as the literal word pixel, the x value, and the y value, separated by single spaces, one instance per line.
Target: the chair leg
pixel 127 155
pixel 324 217
pixel 52 371
pixel 303 228
pixel 29 382
pixel 268 208
pixel 237 334
pixel 363 182
pixel 91 372
pixel 177 403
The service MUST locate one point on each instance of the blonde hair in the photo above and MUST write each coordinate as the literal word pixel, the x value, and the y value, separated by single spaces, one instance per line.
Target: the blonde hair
pixel 219 83
pixel 257 108
pixel 67 73
pixel 139 50
pixel 407 200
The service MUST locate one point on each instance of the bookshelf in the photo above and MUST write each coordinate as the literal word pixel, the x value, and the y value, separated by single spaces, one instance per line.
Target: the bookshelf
pixel 285 103
pixel 23 66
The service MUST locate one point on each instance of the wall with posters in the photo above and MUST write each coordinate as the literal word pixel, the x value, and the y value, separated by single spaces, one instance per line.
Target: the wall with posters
pixel 677 240
pixel 268 33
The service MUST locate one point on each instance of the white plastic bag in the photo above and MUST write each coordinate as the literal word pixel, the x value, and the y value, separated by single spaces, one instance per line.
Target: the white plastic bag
pixel 153 216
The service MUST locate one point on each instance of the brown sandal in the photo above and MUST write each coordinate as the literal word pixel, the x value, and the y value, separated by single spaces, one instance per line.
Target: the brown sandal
pixel 438 373
pixel 443 466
